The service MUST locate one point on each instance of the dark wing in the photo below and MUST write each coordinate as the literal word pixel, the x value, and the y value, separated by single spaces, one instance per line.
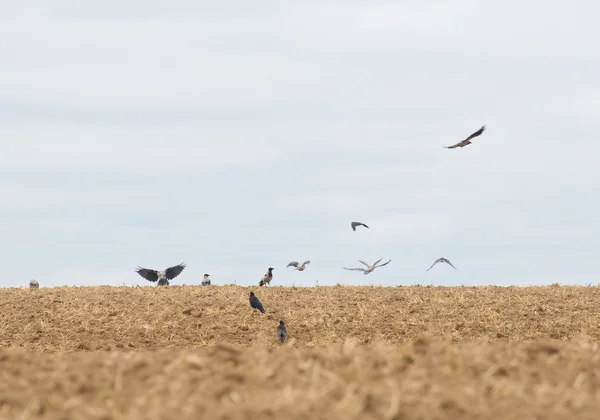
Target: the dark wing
pixel 174 271
pixel 462 143
pixel 477 133
pixel 281 333
pixel 147 273
pixel 384 263
pixel 292 264
pixel 355 224
pixel 306 262
pixel 255 303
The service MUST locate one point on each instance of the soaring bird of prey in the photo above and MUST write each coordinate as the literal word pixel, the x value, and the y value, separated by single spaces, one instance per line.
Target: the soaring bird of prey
pixel 355 224
pixel 466 141
pixel 163 276
pixel 441 260
pixel 33 284
pixel 281 331
pixel 369 268
pixel 206 280
pixel 298 267
pixel 267 277
pixel 255 303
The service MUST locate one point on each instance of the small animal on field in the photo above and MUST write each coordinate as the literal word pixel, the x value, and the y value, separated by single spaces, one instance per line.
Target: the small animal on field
pixel 206 280
pixel 281 331
pixel 267 277
pixel 33 284
pixel 255 303
pixel 163 276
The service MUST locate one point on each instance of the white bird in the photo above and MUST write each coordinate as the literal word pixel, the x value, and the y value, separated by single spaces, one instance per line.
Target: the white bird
pixel 441 260
pixel 369 268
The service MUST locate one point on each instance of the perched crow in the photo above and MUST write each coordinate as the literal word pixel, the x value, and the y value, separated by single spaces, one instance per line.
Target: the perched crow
pixel 370 268
pixel 355 224
pixel 281 331
pixel 206 280
pixel 466 141
pixel 255 303
pixel 163 277
pixel 441 260
pixel 299 268
pixel 33 284
pixel 267 277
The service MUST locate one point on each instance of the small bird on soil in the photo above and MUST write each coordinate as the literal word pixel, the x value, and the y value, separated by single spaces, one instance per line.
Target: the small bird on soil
pixel 281 331
pixel 299 268
pixel 267 277
pixel 441 260
pixel 206 280
pixel 355 224
pixel 163 276
pixel 466 141
pixel 369 268
pixel 255 303
pixel 33 284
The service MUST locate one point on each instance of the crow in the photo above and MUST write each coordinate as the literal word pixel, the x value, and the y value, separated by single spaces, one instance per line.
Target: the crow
pixel 267 277
pixel 206 280
pixel 33 284
pixel 255 303
pixel 355 224
pixel 370 268
pixel 466 141
pixel 441 260
pixel 281 331
pixel 163 276
pixel 299 268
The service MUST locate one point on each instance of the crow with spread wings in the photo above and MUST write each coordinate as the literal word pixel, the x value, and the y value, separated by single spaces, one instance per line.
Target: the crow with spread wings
pixel 466 141
pixel 163 276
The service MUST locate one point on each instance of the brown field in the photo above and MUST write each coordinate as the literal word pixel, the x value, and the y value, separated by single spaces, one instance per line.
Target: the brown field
pixel 187 352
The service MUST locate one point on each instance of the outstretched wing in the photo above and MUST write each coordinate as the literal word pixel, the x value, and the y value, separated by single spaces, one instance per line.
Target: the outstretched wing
pixel 448 262
pixel 377 262
pixel 364 263
pixel 147 273
pixel 174 271
pixel 434 263
pixel 461 143
pixel 384 263
pixel 292 264
pixel 306 262
pixel 354 269
pixel 477 133
pixel 355 224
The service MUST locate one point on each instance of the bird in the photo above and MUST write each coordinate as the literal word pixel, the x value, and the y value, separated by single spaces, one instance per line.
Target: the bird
pixel 299 268
pixel 206 280
pixel 355 224
pixel 267 277
pixel 33 284
pixel 163 276
pixel 255 303
pixel 441 260
pixel 369 268
pixel 466 141
pixel 281 331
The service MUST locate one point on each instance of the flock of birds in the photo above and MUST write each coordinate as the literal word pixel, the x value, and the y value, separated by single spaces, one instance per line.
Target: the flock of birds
pixel 162 277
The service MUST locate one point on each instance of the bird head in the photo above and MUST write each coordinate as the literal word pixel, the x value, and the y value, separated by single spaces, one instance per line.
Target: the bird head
pixel 271 269
pixel 206 275
pixel 251 293
pixel 281 323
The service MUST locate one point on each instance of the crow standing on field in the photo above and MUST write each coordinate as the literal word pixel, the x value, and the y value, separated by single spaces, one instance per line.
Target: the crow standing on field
pixel 281 331
pixel 466 141
pixel 355 224
pixel 163 276
pixel 255 303
pixel 267 277
pixel 206 280
pixel 33 284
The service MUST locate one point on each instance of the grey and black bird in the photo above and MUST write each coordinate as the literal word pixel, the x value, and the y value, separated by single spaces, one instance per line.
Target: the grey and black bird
pixel 206 280
pixel 441 260
pixel 298 267
pixel 163 276
pixel 355 224
pixel 370 268
pixel 267 277
pixel 33 284
pixel 467 141
pixel 255 303
pixel 281 331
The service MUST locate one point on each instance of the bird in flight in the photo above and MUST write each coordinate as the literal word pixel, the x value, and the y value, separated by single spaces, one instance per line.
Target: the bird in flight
pixel 206 280
pixel 355 224
pixel 441 260
pixel 255 303
pixel 163 276
pixel 466 141
pixel 369 268
pixel 299 268
pixel 267 277
pixel 281 331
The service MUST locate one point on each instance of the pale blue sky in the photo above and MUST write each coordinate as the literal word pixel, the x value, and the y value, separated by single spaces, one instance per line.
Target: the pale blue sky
pixel 235 138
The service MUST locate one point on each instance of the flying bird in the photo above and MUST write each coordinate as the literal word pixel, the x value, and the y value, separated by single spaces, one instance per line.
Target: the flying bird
pixel 255 303
pixel 299 268
pixel 355 224
pixel 163 276
pixel 466 141
pixel 267 277
pixel 369 268
pixel 281 331
pixel 33 284
pixel 441 260
pixel 206 280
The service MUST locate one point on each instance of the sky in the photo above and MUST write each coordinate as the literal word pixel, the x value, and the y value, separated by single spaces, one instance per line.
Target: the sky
pixel 234 136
